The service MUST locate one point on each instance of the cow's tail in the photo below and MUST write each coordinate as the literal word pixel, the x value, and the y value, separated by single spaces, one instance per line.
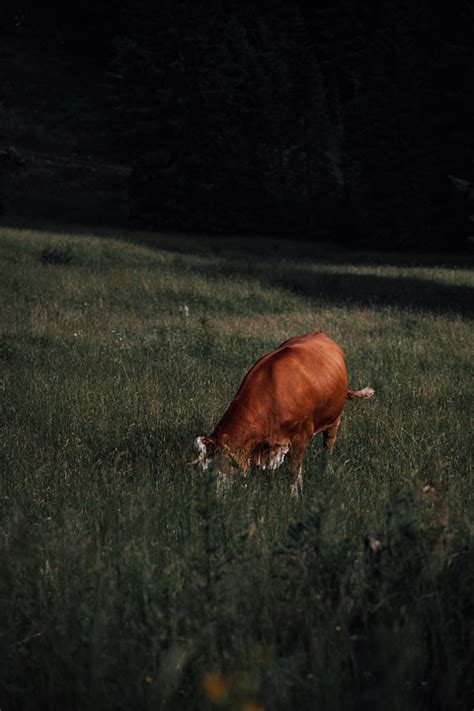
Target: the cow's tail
pixel 363 394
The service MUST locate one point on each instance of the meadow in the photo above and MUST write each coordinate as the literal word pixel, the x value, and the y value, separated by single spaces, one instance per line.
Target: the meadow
pixel 126 583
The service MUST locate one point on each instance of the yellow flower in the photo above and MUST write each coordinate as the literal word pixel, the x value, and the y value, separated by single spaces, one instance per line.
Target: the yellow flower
pixel 215 688
pixel 251 706
pixel 147 679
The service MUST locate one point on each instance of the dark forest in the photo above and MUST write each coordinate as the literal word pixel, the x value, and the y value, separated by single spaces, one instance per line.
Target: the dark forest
pixel 340 120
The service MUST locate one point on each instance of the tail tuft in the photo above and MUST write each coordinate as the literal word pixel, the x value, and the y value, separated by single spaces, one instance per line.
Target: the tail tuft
pixel 363 394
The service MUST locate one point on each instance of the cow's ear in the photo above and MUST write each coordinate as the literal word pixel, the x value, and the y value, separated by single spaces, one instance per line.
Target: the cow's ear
pixel 203 445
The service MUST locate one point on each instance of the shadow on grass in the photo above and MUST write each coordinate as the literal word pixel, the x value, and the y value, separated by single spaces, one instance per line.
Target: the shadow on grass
pixel 266 247
pixel 263 259
pixel 349 288
pixel 373 290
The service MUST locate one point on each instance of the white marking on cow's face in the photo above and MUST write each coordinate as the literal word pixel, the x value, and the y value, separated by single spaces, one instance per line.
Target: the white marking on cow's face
pixel 210 456
pixel 201 449
pixel 213 458
pixel 200 446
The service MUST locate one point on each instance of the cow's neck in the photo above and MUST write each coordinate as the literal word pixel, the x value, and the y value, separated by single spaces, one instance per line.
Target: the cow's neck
pixel 239 438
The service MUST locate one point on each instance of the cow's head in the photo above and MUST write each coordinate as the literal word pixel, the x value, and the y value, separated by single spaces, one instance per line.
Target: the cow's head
pixel 214 455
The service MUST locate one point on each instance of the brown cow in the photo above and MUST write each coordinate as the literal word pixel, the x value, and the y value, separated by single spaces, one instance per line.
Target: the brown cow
pixel 290 395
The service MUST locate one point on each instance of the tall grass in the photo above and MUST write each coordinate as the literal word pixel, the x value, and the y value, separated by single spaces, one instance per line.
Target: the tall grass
pixel 124 581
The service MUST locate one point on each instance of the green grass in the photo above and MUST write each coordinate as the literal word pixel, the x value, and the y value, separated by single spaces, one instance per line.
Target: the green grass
pixel 124 581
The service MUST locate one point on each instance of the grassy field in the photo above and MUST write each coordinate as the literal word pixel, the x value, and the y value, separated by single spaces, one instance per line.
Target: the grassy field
pixel 126 584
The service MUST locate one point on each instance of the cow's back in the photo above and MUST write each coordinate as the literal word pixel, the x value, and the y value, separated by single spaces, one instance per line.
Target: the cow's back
pixel 304 379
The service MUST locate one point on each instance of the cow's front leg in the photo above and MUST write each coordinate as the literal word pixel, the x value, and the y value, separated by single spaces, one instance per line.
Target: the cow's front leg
pixel 297 485
pixel 295 461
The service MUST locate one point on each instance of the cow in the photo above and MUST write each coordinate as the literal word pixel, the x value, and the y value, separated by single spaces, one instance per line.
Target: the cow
pixel 291 394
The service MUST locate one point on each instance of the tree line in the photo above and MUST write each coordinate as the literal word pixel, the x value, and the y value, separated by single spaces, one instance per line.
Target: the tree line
pixel 338 119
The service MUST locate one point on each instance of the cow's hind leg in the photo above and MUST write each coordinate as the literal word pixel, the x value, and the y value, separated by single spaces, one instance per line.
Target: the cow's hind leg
pixel 329 436
pixel 329 440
